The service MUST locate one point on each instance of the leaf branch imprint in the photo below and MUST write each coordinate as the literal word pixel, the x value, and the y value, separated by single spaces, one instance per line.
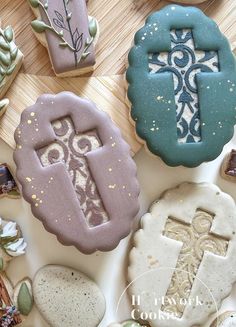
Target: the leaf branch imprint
pixel 64 24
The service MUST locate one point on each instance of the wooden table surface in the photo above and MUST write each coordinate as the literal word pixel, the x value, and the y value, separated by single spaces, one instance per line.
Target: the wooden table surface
pixel 118 21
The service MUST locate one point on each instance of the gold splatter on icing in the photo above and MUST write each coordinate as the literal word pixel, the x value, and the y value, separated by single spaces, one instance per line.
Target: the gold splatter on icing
pixel 196 239
pixel 112 186
pixel 110 169
pixel 29 121
pixel 34 196
pixel 28 179
pixel 36 204
pixel 32 114
pixel 19 146
pixel 113 144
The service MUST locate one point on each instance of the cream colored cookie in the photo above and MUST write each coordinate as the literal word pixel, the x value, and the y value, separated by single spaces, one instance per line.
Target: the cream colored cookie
pixel 226 319
pixel 11 59
pixel 66 297
pixel 68 33
pixel 183 265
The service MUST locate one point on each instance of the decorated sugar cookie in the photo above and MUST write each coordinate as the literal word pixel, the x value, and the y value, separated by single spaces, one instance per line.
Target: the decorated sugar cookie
pixel 8 186
pixel 226 319
pixel 68 33
pixel 182 86
pixel 11 60
pixel 183 263
pixel 79 176
pixel 66 296
pixel 228 167
pixel 15 302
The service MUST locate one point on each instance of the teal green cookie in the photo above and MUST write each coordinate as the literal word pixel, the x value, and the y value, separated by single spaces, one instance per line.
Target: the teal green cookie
pixel 182 86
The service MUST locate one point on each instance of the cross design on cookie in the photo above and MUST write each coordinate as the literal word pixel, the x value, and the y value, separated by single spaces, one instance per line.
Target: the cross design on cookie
pixel 197 239
pixel 185 62
pixel 70 149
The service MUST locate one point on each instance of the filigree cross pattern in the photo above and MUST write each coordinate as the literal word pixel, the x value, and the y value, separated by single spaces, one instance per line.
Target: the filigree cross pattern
pixel 184 62
pixel 70 149
pixel 196 238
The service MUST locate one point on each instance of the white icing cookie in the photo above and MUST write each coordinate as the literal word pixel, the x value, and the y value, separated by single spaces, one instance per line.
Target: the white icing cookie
pixel 226 319
pixel 66 297
pixel 183 263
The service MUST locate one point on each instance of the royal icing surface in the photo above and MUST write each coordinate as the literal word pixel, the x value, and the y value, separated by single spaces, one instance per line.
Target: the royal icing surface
pixel 79 177
pixel 181 75
pixel 69 34
pixel 10 62
pixel 183 262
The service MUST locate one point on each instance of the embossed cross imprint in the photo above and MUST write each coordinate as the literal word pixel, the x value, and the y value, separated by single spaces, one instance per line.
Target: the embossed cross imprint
pixel 70 149
pixel 184 62
pixel 196 238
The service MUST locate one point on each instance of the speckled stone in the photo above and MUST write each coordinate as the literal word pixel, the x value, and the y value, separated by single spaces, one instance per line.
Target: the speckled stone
pixel 66 297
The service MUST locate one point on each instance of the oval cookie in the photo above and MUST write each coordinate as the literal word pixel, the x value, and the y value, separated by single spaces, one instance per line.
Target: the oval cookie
pixel 66 297
pixel 226 319
pixel 183 264
pixel 76 172
pixel 182 86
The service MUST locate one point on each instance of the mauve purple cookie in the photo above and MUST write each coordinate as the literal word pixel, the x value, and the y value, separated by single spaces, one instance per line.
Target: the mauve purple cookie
pixel 76 172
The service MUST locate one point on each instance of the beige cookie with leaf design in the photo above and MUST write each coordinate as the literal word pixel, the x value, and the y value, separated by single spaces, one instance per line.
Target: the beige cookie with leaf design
pixel 183 262
pixel 68 33
pixel 11 59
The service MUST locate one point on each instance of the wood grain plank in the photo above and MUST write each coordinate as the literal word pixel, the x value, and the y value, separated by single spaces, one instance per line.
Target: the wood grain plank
pixel 118 20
